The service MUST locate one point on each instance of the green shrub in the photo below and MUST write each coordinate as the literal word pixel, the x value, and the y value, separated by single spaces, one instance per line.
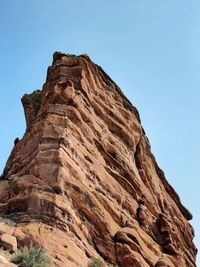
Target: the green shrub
pixel 96 263
pixel 31 257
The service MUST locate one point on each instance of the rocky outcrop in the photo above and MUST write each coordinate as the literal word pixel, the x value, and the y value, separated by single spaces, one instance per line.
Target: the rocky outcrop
pixel 83 182
pixel 31 104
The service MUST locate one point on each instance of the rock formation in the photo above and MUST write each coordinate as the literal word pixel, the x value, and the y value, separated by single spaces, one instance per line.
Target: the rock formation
pixel 83 182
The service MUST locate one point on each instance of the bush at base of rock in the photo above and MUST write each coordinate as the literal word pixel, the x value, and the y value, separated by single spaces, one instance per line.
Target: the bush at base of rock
pixel 31 257
pixel 98 263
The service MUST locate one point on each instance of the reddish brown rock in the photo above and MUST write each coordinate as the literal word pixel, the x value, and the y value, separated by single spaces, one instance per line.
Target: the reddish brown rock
pixel 8 242
pixel 83 182
pixel 164 262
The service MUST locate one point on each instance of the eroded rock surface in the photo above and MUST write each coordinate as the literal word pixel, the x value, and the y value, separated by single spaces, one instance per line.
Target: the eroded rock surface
pixel 5 263
pixel 9 242
pixel 83 182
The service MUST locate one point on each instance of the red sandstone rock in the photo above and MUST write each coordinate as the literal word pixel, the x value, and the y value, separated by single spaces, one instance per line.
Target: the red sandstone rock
pixel 83 182
pixel 9 242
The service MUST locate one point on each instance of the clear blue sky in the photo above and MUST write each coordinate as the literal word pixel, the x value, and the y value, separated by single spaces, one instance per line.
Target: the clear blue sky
pixel 150 48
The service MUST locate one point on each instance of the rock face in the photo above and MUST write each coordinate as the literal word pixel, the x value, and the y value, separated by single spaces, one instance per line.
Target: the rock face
pixel 9 242
pixel 5 263
pixel 83 182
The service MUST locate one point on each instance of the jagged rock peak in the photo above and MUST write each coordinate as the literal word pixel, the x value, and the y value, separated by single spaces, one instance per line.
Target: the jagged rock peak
pixel 31 104
pixel 83 182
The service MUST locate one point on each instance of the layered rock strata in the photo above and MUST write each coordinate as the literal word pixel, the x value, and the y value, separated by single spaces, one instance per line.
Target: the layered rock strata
pixel 83 182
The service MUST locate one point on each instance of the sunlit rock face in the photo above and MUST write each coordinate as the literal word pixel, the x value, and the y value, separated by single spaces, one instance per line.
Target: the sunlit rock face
pixel 83 182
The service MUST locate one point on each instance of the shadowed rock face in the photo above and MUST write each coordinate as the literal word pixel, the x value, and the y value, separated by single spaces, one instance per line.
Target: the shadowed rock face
pixel 31 104
pixel 83 182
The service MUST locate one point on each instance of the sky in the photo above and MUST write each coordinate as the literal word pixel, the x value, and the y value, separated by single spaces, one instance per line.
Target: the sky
pixel 151 49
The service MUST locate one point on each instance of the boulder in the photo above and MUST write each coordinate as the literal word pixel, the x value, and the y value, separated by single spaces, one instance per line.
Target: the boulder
pixel 9 242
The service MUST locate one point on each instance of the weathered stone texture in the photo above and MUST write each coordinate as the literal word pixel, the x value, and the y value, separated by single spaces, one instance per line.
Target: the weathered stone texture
pixel 9 242
pixel 83 182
